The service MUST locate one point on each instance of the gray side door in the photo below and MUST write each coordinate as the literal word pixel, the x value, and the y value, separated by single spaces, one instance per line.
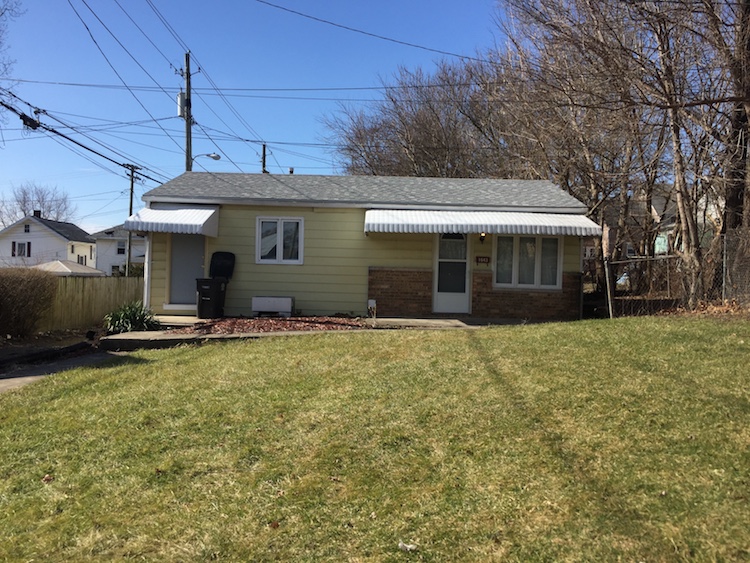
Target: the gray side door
pixel 186 265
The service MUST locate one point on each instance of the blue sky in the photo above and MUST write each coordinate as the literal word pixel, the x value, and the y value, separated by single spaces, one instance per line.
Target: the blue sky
pixel 280 73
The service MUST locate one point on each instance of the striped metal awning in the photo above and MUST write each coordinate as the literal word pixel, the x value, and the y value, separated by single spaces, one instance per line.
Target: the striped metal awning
pixel 489 222
pixel 188 221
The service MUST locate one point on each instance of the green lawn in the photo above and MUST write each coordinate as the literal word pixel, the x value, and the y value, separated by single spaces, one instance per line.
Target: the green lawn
pixel 599 440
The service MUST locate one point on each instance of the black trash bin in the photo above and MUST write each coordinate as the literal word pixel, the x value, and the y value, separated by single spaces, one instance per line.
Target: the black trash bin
pixel 212 291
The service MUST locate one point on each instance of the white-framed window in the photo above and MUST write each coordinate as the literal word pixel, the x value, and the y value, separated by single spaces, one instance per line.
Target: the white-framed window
pixel 27 228
pixel 279 240
pixel 528 262
pixel 121 247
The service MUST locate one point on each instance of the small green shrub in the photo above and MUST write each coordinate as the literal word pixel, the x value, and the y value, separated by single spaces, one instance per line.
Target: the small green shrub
pixel 26 294
pixel 130 317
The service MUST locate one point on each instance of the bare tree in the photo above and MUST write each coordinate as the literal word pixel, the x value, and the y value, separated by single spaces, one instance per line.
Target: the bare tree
pixel 725 26
pixel 29 197
pixel 422 127
pixel 653 55
pixel 9 9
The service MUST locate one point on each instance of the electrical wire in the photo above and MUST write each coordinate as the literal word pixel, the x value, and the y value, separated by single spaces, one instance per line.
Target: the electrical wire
pixel 93 39
pixel 35 124
pixel 144 34
pixel 368 34
pixel 219 148
pixel 110 148
pixel 210 80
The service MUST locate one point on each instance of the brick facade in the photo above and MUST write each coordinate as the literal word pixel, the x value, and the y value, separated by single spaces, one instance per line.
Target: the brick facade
pixel 403 292
pixel 533 305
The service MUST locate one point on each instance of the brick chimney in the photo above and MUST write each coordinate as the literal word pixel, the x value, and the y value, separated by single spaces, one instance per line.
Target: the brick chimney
pixel 38 213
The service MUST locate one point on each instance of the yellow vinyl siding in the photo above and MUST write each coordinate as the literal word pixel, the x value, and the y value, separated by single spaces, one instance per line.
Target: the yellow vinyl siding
pixel 572 254
pixel 332 277
pixel 399 250
pixel 158 277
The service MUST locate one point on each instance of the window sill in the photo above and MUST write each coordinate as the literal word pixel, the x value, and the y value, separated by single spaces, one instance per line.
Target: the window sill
pixel 531 288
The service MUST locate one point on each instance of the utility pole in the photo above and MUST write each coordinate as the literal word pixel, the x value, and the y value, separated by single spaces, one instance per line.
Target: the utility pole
pixel 128 257
pixel 188 110
pixel 263 160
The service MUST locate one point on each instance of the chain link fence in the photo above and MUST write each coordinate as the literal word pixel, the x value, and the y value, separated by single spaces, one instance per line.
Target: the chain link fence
pixel 647 285
pixel 736 268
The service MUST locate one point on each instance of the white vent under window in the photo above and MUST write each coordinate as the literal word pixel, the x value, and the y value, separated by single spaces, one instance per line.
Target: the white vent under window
pixel 277 306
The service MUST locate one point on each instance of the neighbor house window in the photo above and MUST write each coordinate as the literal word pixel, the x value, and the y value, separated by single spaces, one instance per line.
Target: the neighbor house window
pixel 20 249
pixel 279 240
pixel 528 261
pixel 120 247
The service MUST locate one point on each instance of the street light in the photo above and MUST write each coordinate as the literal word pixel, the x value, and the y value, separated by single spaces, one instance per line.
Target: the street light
pixel 209 155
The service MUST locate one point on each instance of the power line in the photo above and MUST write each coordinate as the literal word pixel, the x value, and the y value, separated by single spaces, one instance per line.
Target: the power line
pixel 93 39
pixel 228 91
pixel 168 27
pixel 210 80
pixel 135 60
pixel 367 33
pixel 107 146
pixel 144 34
pixel 36 124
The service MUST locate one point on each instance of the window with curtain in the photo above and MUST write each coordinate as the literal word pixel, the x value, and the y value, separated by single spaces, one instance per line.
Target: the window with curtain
pixel 528 261
pixel 279 240
pixel 21 249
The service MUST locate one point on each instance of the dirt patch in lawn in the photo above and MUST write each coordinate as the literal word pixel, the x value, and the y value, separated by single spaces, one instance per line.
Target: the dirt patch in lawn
pixel 271 324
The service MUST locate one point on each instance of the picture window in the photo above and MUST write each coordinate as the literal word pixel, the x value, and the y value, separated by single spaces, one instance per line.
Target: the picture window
pixel 528 262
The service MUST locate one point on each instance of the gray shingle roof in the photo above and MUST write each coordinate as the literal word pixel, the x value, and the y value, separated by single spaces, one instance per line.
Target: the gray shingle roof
pixel 113 233
pixel 366 192
pixel 68 230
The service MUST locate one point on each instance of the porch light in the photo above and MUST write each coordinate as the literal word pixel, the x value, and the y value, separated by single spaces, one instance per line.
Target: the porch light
pixel 482 236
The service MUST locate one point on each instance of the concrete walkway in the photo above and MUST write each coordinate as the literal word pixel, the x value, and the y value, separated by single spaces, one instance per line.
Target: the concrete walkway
pixel 129 341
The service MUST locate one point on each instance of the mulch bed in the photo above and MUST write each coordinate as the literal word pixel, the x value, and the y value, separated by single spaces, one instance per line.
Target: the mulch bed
pixel 271 324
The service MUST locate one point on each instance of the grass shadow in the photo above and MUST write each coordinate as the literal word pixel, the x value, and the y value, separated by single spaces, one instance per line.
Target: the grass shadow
pixel 95 359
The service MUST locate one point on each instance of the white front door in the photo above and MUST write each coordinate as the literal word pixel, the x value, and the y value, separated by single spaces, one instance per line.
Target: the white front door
pixel 451 285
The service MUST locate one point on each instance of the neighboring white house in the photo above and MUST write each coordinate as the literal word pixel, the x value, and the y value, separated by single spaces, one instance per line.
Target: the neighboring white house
pixel 111 250
pixel 34 240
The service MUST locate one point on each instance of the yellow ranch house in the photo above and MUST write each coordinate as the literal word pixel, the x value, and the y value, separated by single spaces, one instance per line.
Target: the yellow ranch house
pixel 353 245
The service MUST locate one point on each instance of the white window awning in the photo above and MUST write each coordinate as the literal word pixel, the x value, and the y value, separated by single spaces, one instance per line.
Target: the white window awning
pixel 490 222
pixel 187 221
